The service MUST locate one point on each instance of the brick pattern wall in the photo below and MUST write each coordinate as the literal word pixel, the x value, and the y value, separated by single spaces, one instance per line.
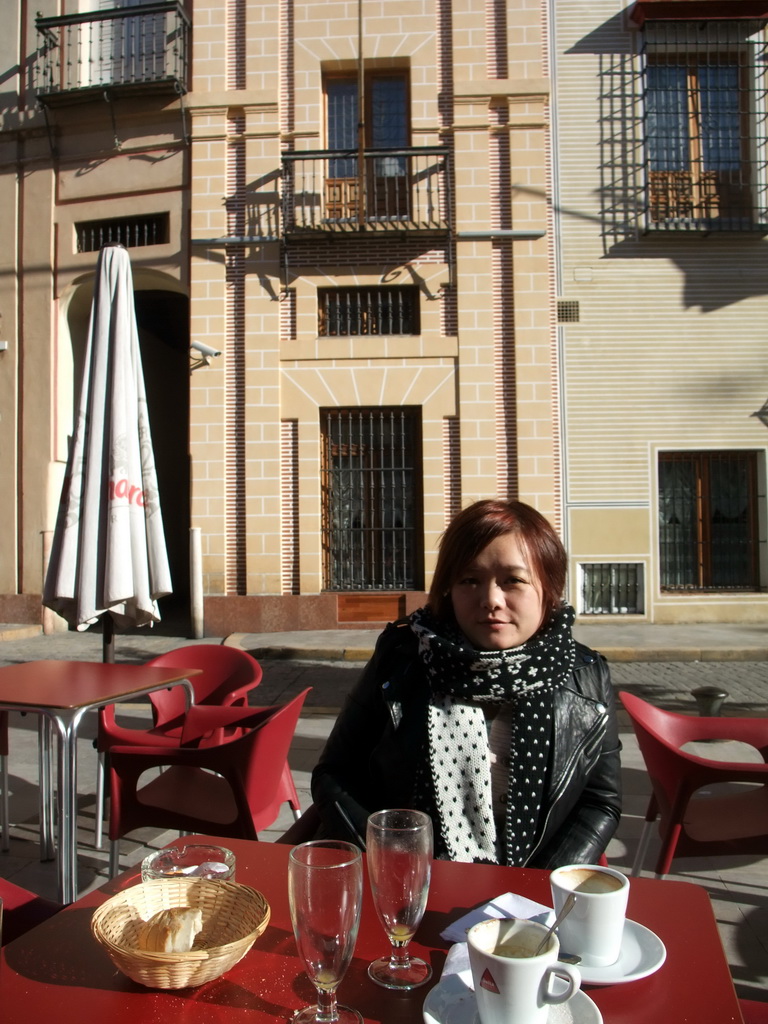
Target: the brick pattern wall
pixel 236 49
pixel 287 70
pixel 288 315
pixel 449 325
pixel 290 534
pixel 503 306
pixel 355 252
pixel 462 370
pixel 235 388
pixel 451 466
pixel 497 60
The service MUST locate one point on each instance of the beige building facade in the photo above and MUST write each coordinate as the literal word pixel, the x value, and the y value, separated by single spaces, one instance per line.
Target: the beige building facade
pixel 659 116
pixel 381 270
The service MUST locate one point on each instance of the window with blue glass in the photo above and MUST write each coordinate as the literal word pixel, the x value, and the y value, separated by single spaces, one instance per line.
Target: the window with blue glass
pixel 697 141
pixel 342 125
pixel 705 146
pixel 384 114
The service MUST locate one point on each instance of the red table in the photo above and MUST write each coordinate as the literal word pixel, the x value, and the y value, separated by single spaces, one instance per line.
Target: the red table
pixel 62 692
pixel 57 972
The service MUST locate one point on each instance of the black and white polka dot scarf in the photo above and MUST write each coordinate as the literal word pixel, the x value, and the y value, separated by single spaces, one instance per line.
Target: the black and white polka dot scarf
pixel 457 788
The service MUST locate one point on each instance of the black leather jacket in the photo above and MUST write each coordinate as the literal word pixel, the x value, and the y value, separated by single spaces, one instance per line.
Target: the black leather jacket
pixel 369 761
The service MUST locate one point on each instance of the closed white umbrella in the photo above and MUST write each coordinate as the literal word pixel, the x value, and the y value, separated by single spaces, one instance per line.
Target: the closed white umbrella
pixel 108 557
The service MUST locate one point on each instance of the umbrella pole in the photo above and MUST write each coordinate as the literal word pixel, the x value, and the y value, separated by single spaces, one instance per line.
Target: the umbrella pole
pixel 108 638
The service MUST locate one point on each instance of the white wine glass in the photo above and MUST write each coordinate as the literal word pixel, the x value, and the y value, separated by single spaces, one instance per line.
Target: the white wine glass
pixel 399 853
pixel 325 892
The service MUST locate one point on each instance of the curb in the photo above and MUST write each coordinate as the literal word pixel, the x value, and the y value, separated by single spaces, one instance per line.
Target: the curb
pixel 351 655
pixel 685 653
pixel 360 655
pixel 628 654
pixel 11 632
pixel 287 652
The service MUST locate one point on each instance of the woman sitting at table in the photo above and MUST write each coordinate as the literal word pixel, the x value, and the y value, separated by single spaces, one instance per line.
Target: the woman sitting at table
pixel 482 710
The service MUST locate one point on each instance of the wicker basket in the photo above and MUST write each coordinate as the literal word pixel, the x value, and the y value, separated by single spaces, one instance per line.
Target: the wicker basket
pixel 234 916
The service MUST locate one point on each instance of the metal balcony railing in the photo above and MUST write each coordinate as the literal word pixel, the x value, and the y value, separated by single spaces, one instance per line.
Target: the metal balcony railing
pixel 327 190
pixel 121 47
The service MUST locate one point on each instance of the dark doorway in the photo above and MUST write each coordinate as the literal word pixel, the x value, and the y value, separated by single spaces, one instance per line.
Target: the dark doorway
pixel 163 321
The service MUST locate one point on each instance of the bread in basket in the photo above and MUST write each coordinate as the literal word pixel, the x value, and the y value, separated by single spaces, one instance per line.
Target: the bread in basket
pixel 234 916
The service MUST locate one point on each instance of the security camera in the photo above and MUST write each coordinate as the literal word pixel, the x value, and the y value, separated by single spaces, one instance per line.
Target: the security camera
pixel 203 349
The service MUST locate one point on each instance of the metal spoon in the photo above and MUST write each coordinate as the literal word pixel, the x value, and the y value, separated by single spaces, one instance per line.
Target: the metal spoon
pixel 569 958
pixel 564 911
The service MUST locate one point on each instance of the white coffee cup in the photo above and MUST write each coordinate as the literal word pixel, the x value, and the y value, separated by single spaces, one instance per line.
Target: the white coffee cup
pixel 594 926
pixel 512 986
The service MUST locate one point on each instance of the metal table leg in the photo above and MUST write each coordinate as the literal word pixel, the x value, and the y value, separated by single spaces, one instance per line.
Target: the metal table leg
pixel 45 775
pixel 67 723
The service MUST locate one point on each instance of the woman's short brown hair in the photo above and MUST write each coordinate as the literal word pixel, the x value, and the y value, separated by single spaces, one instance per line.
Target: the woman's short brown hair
pixel 472 529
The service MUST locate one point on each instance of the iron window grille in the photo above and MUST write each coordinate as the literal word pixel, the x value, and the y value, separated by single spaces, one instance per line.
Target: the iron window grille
pixel 132 232
pixel 371 499
pixel 708 515
pixel 611 588
pixel 705 124
pixel 361 311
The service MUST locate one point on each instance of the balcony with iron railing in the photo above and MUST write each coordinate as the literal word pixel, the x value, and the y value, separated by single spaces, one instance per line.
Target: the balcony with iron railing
pixel 389 190
pixel 120 49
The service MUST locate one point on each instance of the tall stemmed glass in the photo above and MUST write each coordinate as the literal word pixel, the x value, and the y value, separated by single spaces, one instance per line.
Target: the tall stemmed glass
pixel 399 851
pixel 325 891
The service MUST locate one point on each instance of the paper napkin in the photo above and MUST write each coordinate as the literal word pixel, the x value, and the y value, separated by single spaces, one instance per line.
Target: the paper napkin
pixel 457 962
pixel 509 904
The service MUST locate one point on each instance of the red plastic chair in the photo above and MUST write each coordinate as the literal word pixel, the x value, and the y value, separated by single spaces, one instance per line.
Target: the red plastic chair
pixel 753 1011
pixel 5 823
pixel 228 675
pixel 231 788
pixel 693 821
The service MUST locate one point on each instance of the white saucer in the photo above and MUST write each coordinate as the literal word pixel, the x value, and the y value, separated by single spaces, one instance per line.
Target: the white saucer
pixel 451 1001
pixel 642 953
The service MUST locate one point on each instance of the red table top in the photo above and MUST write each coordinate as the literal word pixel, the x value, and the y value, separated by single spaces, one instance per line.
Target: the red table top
pixel 69 685
pixel 58 972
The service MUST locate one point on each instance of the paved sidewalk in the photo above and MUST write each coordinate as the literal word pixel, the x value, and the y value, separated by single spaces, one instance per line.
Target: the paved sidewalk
pixel 331 661
pixel 618 640
pixel 657 662
pixel 663 664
